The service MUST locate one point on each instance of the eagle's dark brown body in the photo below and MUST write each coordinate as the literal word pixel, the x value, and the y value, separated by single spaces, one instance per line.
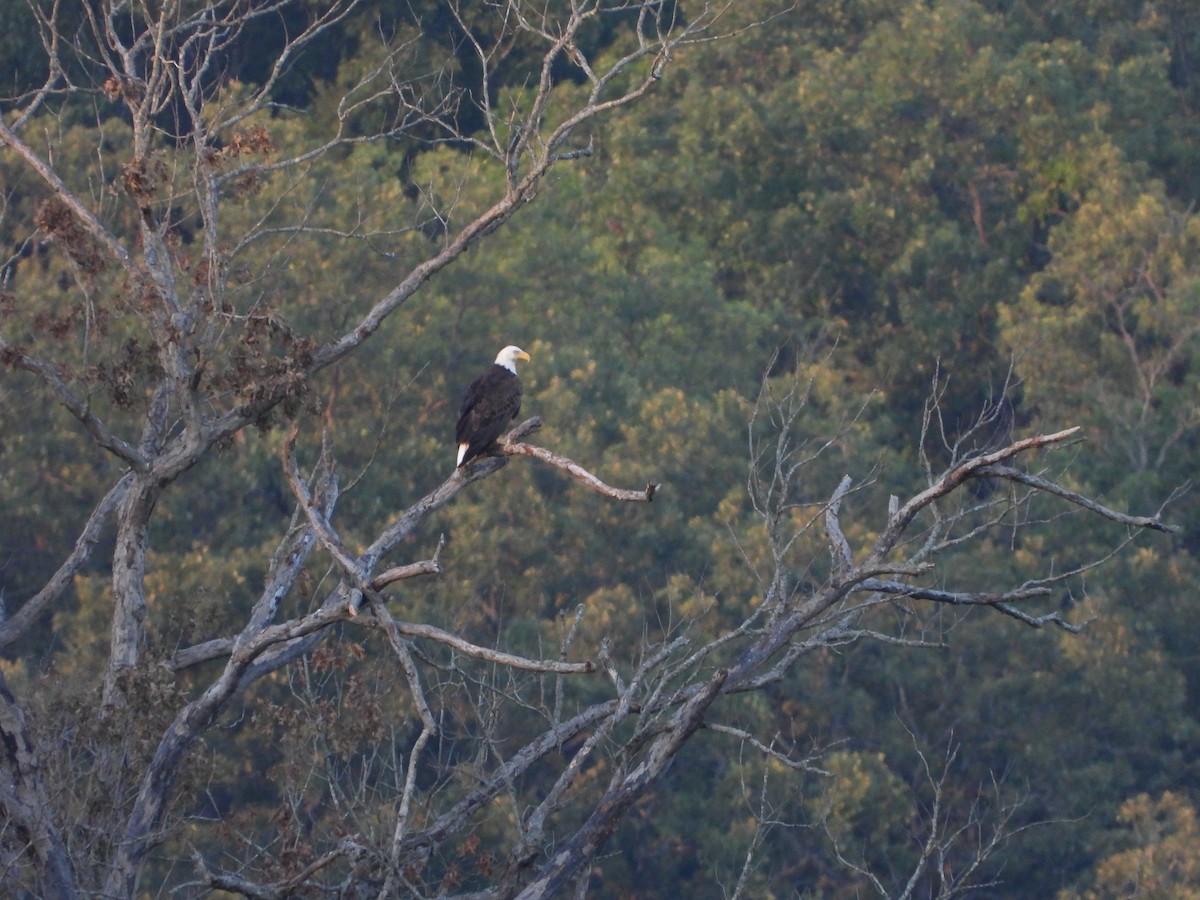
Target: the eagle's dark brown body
pixel 492 401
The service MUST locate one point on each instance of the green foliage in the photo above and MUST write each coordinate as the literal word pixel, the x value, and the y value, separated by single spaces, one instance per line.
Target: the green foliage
pixel 1111 324
pixel 935 187
pixel 1161 861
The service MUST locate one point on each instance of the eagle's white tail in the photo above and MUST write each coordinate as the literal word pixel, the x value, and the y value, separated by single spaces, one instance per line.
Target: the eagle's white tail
pixel 462 451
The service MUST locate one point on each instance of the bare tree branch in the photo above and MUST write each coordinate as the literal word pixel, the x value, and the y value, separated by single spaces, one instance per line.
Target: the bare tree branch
pixel 82 213
pixel 100 432
pixel 579 473
pixel 228 881
pixel 26 804
pixel 16 625
pixel 1008 473
pixel 951 479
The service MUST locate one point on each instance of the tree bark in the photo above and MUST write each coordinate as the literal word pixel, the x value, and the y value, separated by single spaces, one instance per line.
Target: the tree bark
pixel 590 839
pixel 127 635
pixel 26 805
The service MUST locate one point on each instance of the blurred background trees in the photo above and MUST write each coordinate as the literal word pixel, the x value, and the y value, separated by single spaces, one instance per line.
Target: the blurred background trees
pixel 878 200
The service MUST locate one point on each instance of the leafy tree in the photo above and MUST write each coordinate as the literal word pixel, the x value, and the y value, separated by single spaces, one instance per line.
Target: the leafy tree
pixel 245 276
pixel 1119 302
pixel 1163 859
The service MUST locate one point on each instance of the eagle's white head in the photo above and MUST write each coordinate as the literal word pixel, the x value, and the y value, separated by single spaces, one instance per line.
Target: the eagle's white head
pixel 508 357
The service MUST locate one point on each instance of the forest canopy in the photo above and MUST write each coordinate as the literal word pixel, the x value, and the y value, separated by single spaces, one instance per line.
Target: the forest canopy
pixel 830 284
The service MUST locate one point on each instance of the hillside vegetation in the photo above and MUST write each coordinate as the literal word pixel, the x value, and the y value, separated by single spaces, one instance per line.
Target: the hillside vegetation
pixel 903 235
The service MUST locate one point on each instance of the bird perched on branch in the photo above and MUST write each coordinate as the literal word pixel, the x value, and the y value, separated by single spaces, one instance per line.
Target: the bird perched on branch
pixel 492 401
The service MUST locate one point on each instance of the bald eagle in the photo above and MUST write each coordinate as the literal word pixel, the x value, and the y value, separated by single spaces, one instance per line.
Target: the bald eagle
pixel 490 403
